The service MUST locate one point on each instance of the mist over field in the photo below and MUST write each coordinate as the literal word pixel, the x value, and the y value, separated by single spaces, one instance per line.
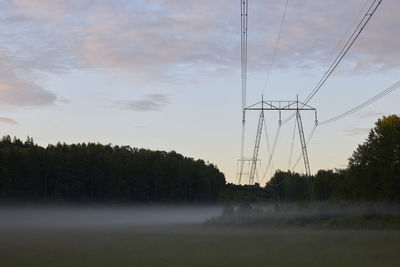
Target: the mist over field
pixel 176 236
pixel 193 235
pixel 59 217
pixel 383 215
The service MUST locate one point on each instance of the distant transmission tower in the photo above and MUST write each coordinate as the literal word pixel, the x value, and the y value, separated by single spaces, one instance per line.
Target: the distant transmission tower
pixel 280 106
pixel 243 167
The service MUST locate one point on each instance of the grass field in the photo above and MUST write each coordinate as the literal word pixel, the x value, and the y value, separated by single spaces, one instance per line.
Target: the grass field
pixel 198 245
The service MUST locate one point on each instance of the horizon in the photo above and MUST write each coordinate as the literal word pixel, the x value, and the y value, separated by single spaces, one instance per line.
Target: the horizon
pixel 135 73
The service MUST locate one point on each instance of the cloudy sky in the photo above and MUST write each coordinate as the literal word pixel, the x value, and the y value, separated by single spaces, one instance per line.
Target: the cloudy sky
pixel 165 74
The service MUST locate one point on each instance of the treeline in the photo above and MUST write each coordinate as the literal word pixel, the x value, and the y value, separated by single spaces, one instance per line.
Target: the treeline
pixel 373 172
pixel 102 173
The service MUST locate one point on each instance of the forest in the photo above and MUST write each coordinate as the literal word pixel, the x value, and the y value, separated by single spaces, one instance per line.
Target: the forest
pixel 105 173
pixel 102 173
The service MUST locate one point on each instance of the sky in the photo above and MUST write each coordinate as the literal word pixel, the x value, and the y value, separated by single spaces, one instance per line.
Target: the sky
pixel 165 75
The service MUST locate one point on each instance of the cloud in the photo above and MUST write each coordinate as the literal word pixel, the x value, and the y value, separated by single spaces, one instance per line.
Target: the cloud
pixel 148 34
pixel 357 131
pixel 22 93
pixel 8 120
pixel 155 40
pixel 150 102
pixel 18 91
pixel 368 114
pixel 25 51
pixel 63 100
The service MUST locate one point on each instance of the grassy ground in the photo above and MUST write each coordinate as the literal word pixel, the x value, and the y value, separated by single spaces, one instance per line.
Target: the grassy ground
pixel 199 245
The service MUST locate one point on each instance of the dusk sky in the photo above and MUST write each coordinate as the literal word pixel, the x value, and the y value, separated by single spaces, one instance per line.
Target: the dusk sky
pixel 165 74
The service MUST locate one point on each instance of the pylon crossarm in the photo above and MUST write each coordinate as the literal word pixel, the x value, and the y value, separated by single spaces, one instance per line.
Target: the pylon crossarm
pixel 269 106
pixel 303 106
pixel 279 106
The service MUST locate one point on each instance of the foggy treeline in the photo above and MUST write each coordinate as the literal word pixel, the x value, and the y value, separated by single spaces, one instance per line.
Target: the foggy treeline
pixel 100 173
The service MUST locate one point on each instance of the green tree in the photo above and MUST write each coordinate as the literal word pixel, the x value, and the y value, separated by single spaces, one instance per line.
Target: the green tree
pixel 375 164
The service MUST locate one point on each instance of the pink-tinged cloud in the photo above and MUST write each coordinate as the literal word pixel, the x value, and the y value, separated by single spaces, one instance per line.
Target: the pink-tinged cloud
pixel 8 121
pixel 155 39
pixel 21 93
pixel 17 91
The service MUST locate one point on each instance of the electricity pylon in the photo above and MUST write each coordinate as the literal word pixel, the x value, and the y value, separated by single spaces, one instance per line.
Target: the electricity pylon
pixel 280 106
pixel 243 167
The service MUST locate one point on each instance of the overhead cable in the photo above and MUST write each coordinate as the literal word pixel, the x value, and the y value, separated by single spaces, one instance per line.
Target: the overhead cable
pixel 307 142
pixel 367 17
pixel 244 24
pixel 276 46
pixel 363 105
pixel 351 111
pixel 353 37
pixel 333 49
pixel 272 151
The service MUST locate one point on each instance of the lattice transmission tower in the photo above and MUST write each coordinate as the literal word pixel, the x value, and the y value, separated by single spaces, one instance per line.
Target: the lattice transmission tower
pixel 281 106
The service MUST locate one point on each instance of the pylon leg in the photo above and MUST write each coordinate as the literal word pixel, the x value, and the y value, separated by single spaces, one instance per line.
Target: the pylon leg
pixel 256 148
pixel 305 156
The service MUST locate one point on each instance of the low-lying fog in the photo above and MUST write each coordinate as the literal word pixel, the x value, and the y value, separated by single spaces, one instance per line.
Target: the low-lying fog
pixel 106 216
pixel 62 216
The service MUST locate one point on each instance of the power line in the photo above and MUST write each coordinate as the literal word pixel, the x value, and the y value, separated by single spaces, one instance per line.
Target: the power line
pixel 243 47
pixel 331 53
pixel 244 25
pixel 353 37
pixel 370 12
pixel 267 141
pixel 351 40
pixel 307 143
pixel 351 111
pixel 272 151
pixel 242 152
pixel 276 46
pixel 364 104
pixel 269 152
pixel 347 30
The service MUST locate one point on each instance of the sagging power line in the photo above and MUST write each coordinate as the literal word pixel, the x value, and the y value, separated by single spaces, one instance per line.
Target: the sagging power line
pixel 353 37
pixel 276 46
pixel 364 104
pixel 244 24
pixel 349 112
pixel 300 105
